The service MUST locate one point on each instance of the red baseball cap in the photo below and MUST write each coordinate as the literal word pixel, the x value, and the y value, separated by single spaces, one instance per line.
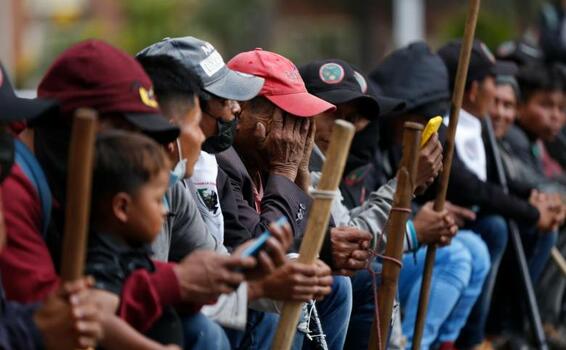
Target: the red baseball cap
pixel 283 84
pixel 95 74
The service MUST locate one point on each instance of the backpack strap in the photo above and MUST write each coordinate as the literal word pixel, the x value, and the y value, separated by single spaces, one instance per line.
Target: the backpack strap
pixel 31 168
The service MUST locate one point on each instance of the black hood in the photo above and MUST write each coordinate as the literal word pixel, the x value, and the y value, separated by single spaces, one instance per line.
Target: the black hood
pixel 414 74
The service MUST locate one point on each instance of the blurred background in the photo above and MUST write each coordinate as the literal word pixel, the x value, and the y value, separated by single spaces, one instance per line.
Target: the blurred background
pixel 34 32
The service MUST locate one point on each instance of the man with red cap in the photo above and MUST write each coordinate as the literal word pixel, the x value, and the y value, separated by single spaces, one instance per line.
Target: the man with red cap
pixel 96 75
pixel 268 170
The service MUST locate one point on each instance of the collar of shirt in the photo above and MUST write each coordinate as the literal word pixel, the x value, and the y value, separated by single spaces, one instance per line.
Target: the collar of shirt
pixel 469 122
pixel 469 144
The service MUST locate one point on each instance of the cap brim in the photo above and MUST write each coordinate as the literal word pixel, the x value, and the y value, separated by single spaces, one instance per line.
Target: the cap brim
pixel 16 108
pixel 370 106
pixel 389 105
pixel 505 68
pixel 236 86
pixel 154 126
pixel 301 104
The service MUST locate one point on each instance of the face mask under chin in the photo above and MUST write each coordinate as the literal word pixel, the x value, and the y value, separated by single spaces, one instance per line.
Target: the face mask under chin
pixel 223 139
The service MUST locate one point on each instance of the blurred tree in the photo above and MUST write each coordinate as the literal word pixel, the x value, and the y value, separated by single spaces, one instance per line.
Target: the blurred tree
pixel 357 31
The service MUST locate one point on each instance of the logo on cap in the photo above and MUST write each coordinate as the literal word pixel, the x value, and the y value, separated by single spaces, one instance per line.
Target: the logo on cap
pixel 148 97
pixel 506 48
pixel 213 63
pixel 293 74
pixel 487 53
pixel 361 81
pixel 207 48
pixel 331 73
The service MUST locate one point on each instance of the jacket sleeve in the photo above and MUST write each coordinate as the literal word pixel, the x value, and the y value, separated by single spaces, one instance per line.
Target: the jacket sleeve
pixel 235 233
pixel 145 294
pixel 188 232
pixel 373 214
pixel 466 189
pixel 27 269
pixel 17 328
pixel 281 197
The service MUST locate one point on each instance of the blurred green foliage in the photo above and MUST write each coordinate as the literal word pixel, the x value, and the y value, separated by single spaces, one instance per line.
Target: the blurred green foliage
pixel 301 30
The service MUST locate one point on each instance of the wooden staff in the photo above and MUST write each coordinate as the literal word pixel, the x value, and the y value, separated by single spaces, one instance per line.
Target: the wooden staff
pixel 456 105
pixel 317 224
pixel 395 229
pixel 558 260
pixel 79 182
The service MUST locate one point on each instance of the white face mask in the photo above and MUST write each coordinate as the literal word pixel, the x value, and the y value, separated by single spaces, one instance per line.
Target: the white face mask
pixel 178 173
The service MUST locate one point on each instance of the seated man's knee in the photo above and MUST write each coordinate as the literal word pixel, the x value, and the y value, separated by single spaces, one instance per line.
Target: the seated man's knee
pixel 342 290
pixel 495 233
pixel 478 251
pixel 202 333
pixel 454 263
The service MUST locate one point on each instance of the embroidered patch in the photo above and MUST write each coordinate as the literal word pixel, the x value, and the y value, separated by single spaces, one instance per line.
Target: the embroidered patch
pixel 506 48
pixel 331 73
pixel 148 97
pixel 209 198
pixel 361 81
pixel 293 74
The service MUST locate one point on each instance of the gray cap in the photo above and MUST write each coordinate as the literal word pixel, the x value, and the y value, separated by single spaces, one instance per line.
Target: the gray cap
pixel 201 58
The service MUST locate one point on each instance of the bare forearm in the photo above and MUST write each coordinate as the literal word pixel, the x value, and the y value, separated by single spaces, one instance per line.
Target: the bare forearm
pixel 120 335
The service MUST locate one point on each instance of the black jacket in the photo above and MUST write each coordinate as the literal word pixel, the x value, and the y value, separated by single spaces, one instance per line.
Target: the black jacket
pixel 281 197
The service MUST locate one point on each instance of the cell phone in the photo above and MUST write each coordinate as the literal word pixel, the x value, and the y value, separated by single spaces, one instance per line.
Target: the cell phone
pixel 431 127
pixel 259 244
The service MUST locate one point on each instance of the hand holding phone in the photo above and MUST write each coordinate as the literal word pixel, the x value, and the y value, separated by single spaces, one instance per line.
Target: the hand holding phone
pixel 259 244
pixel 431 127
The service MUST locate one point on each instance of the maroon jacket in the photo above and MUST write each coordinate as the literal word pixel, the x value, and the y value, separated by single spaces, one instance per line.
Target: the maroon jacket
pixel 28 273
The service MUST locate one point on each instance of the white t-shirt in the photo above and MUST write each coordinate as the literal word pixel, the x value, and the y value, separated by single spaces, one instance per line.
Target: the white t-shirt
pixel 203 187
pixel 469 144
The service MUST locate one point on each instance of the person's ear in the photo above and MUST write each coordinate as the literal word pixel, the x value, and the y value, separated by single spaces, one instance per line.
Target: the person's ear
pixel 473 91
pixel 121 203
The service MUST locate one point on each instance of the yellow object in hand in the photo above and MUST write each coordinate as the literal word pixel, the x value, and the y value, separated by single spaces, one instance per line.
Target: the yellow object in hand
pixel 431 127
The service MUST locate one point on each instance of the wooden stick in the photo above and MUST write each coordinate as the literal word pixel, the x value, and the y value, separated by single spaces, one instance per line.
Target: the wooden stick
pixel 79 182
pixel 456 105
pixel 395 229
pixel 317 224
pixel 559 260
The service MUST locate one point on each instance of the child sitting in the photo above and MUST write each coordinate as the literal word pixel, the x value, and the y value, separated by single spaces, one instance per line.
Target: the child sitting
pixel 131 175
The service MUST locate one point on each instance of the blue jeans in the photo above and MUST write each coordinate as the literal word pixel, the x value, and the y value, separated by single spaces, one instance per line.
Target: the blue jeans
pixel 537 249
pixel 333 311
pixel 202 334
pixel 459 273
pixel 495 233
pixel 259 333
pixel 362 309
pixel 481 265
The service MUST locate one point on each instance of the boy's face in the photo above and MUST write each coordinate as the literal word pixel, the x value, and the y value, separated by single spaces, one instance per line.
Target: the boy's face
pixel 191 137
pixel 543 114
pixel 504 110
pixel 325 122
pixel 146 211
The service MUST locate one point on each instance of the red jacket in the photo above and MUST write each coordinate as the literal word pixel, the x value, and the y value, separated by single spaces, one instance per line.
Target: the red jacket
pixel 28 272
